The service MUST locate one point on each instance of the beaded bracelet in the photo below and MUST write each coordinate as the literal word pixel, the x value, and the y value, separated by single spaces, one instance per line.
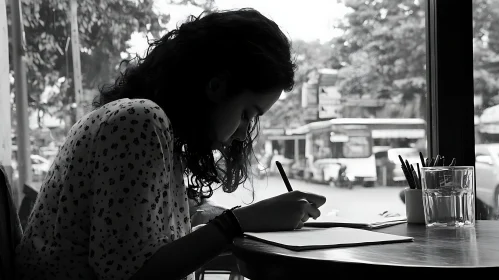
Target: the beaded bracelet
pixel 229 225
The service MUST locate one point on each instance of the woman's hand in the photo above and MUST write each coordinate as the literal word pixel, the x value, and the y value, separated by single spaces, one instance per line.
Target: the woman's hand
pixel 284 212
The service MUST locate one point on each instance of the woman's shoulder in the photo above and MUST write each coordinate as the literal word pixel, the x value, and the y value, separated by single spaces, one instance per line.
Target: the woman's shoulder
pixel 135 110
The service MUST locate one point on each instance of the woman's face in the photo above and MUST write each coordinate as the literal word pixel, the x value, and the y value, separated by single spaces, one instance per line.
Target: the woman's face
pixel 231 117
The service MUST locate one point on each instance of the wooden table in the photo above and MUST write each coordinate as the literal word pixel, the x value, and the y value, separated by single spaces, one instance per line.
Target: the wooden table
pixel 460 251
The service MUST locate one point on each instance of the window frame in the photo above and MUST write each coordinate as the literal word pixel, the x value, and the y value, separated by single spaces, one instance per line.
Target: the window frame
pixel 450 102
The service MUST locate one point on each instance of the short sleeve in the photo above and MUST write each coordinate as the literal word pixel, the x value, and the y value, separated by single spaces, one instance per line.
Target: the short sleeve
pixel 132 164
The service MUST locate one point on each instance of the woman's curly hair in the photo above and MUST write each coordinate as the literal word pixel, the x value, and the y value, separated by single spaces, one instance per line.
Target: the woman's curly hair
pixel 244 45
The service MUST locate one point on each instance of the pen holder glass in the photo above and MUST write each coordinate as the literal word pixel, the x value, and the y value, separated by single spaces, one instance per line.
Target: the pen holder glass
pixel 414 209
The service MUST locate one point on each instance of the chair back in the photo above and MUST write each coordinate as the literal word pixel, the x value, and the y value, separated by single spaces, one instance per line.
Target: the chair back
pixel 10 228
pixel 27 205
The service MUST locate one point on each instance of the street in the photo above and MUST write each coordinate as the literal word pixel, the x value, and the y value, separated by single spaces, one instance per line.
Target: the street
pixel 359 201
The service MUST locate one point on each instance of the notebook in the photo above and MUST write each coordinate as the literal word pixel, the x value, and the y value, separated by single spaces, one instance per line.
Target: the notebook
pixel 322 238
pixel 361 222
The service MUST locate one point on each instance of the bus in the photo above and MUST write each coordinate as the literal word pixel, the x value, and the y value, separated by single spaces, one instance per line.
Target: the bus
pixel 353 142
pixel 332 143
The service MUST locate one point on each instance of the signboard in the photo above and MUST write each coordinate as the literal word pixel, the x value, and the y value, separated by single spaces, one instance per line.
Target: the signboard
pixel 329 111
pixel 320 97
pixel 329 102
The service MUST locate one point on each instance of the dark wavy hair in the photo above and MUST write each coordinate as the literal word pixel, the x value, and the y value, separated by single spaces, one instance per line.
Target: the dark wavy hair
pixel 244 45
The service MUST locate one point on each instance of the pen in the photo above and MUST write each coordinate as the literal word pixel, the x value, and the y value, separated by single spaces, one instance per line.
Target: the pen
pixel 437 159
pixel 414 176
pixel 422 159
pixel 419 175
pixel 284 177
pixel 407 174
pixel 409 171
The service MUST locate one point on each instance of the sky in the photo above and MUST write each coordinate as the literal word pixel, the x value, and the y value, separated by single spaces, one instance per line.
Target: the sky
pixel 308 20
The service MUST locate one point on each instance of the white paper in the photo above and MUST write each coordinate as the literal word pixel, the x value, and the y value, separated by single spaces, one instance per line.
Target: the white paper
pixel 357 220
pixel 315 238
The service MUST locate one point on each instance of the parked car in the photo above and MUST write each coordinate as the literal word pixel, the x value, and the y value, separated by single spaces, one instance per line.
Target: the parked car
pixel 487 173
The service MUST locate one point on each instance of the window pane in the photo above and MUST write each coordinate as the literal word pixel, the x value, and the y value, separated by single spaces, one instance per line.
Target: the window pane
pixel 359 102
pixel 486 83
pixel 359 99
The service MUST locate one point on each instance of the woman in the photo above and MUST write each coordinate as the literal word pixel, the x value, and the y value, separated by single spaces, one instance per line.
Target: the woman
pixel 114 205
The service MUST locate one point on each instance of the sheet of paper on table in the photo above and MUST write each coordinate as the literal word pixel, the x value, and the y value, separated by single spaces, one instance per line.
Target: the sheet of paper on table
pixel 322 238
pixel 373 222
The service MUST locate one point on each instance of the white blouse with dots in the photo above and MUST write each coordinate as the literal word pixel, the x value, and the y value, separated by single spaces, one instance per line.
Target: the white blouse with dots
pixel 113 196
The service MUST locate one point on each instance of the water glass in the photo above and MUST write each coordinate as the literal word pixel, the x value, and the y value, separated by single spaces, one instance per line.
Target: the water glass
pixel 449 196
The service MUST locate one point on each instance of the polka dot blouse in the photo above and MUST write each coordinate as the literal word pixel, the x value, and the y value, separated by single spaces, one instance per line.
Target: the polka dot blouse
pixel 113 196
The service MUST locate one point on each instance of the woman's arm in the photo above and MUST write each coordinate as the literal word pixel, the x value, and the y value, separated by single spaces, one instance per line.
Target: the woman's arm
pixel 183 256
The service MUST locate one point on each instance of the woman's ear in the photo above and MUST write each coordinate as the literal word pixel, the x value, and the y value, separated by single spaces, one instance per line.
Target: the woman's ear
pixel 216 89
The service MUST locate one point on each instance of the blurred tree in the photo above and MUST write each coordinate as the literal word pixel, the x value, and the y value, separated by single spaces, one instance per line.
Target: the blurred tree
pixel 486 51
pixel 206 5
pixel 382 50
pixel 104 29
pixel 311 56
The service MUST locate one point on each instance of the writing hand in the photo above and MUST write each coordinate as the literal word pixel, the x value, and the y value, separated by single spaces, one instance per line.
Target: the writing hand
pixel 284 212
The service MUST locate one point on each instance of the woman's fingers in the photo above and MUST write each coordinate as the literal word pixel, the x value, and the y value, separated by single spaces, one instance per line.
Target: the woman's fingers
pixel 311 210
pixel 300 224
pixel 308 210
pixel 316 199
pixel 305 218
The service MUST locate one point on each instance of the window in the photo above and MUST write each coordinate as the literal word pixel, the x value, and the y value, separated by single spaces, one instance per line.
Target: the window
pixel 362 68
pixel 358 61
pixel 486 101
pixel 360 90
pixel 357 146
